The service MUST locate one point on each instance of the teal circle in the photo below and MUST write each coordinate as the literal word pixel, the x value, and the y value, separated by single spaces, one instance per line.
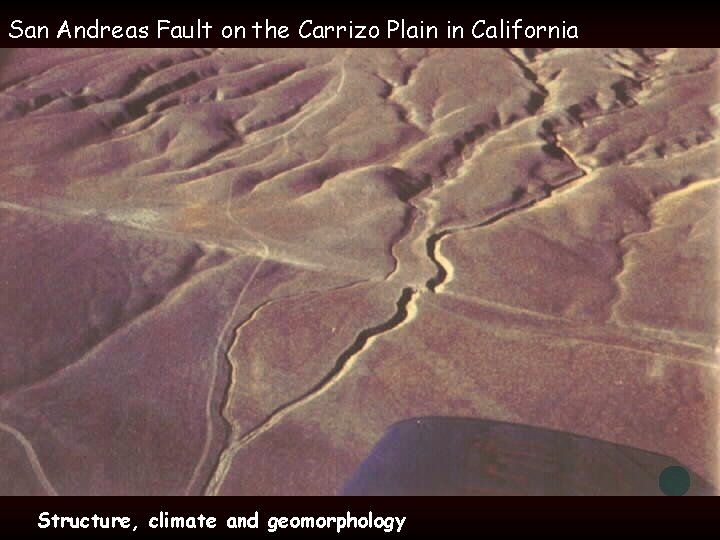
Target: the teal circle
pixel 674 480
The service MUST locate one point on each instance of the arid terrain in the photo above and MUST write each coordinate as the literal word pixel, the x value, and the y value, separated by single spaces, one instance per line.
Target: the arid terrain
pixel 230 271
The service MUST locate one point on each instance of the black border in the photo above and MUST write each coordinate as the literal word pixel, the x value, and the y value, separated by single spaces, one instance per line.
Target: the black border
pixel 687 25
pixel 425 515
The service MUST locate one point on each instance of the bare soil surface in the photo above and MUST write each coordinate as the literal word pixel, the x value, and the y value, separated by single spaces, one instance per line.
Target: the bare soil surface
pixel 230 271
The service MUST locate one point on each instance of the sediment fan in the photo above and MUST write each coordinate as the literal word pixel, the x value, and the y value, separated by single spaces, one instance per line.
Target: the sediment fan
pixel 464 456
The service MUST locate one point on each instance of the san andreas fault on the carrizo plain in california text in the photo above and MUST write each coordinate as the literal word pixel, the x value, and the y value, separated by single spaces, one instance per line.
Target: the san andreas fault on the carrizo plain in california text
pixel 308 29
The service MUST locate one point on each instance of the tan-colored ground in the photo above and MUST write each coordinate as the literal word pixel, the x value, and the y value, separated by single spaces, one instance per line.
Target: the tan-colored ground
pixel 230 271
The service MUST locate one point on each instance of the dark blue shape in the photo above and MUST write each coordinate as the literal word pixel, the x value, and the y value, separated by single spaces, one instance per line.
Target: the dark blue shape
pixel 465 456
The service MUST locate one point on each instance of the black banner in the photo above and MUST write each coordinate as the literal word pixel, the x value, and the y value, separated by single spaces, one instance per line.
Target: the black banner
pixel 352 516
pixel 262 25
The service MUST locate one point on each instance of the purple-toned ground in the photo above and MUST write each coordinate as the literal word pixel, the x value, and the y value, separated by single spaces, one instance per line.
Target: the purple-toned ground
pixel 230 271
